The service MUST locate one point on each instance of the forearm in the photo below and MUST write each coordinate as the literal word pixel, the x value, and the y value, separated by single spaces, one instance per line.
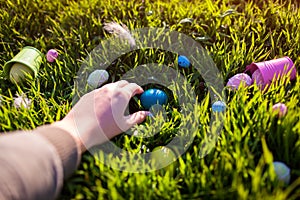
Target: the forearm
pixel 67 147
pixel 33 164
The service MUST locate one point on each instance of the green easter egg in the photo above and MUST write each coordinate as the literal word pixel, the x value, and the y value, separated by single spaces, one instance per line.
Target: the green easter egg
pixel 163 158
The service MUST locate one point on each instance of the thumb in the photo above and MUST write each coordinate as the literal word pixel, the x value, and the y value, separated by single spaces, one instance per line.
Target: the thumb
pixel 136 118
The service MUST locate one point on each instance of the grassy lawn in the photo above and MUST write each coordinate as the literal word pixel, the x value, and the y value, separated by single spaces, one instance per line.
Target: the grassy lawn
pixel 234 33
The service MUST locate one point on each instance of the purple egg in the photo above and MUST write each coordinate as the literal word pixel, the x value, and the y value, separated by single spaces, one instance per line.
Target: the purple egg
pixel 280 108
pixel 52 55
pixel 238 79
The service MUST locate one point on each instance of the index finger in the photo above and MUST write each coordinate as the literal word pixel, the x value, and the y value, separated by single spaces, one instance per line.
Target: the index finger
pixel 133 89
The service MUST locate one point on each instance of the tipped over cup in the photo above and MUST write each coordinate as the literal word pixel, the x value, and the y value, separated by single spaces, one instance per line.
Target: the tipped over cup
pixel 264 73
pixel 25 64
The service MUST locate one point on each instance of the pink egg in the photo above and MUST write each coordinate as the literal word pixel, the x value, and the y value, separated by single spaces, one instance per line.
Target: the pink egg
pixel 52 55
pixel 280 108
pixel 241 78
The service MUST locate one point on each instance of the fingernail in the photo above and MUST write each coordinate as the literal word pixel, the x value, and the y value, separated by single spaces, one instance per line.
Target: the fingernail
pixel 149 114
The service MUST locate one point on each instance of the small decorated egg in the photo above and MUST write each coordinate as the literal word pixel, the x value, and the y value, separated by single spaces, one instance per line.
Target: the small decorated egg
pixel 97 78
pixel 238 79
pixel 280 108
pixel 218 106
pixel 282 172
pixel 183 61
pixel 153 96
pixel 162 157
pixel 51 55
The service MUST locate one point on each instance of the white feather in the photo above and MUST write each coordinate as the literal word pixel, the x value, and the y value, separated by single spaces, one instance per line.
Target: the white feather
pixel 22 101
pixel 121 31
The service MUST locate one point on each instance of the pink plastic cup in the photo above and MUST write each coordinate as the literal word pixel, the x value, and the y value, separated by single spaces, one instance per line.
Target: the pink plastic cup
pixel 273 69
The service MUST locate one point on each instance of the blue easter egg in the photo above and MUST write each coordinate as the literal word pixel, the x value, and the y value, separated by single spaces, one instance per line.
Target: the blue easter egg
pixel 183 61
pixel 282 171
pixel 153 96
pixel 218 106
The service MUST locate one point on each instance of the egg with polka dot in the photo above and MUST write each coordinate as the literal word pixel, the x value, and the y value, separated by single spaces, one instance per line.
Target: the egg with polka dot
pixel 219 106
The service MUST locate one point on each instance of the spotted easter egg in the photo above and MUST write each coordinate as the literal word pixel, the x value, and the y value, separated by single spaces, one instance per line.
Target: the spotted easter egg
pixel 218 106
pixel 282 172
pixel 153 96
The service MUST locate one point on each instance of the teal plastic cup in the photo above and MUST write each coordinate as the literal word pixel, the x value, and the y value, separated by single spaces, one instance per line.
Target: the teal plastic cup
pixel 28 58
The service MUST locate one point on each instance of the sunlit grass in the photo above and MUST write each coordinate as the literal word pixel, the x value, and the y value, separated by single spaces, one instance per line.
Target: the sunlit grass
pixel 234 33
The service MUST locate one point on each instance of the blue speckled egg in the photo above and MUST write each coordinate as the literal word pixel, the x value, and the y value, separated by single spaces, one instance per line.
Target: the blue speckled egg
pixel 153 96
pixel 183 61
pixel 218 106
pixel 282 171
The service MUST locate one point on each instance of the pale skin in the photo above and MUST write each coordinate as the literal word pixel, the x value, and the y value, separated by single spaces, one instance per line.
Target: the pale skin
pixel 33 165
pixel 99 115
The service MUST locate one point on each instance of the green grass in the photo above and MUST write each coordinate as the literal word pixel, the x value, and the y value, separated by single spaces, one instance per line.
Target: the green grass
pixel 235 33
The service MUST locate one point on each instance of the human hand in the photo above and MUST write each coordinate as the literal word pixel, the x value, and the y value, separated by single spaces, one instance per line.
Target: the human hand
pixel 99 115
